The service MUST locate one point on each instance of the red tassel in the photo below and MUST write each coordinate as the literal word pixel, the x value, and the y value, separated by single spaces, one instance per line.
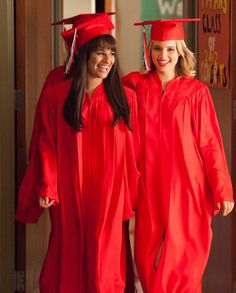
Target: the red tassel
pixel 145 51
pixel 71 54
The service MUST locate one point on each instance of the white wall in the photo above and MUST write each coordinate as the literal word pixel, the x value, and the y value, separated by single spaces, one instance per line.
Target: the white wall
pixel 73 7
pixel 128 36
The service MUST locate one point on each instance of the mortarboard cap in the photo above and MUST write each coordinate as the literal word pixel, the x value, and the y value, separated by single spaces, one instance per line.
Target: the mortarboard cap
pixel 167 29
pixel 85 27
pixel 88 27
pixel 75 20
pixel 71 20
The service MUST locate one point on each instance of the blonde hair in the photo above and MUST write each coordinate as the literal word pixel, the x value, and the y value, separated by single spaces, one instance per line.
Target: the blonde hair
pixel 186 63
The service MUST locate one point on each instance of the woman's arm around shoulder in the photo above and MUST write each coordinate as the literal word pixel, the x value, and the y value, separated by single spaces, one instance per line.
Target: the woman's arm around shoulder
pixel 131 80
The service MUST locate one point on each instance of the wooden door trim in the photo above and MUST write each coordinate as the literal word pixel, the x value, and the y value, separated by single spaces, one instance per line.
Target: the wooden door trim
pixel 6 146
pixel 20 139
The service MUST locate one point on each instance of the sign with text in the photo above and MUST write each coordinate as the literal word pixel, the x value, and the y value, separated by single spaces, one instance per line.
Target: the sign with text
pixel 214 42
pixel 156 9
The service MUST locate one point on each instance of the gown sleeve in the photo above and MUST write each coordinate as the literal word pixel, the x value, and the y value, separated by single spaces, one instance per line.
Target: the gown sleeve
pixel 211 148
pixel 40 179
pixel 132 173
pixel 130 80
pixel 54 77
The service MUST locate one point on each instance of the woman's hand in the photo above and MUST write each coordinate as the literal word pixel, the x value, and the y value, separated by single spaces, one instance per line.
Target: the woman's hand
pixel 226 207
pixel 45 202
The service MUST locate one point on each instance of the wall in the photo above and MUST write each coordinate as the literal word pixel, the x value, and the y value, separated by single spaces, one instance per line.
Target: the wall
pixel 73 7
pixel 128 36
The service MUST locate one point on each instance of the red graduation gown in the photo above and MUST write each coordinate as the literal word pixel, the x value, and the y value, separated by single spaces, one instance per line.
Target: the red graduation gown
pixel 184 177
pixel 92 176
pixel 54 77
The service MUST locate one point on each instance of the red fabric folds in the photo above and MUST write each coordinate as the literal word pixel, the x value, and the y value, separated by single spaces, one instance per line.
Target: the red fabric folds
pixel 93 177
pixel 184 177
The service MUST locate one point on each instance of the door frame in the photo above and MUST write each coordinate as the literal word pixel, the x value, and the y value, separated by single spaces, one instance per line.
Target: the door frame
pixel 7 176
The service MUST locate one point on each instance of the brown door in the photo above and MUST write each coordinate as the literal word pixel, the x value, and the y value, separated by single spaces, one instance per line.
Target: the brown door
pixel 33 60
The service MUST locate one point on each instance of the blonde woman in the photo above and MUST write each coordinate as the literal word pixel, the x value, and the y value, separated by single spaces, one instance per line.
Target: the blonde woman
pixel 185 180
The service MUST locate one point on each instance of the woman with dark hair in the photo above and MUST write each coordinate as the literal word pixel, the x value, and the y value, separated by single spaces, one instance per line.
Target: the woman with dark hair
pixel 87 156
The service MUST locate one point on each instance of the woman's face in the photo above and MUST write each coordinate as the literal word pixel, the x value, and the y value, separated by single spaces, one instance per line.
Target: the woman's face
pixel 165 56
pixel 100 63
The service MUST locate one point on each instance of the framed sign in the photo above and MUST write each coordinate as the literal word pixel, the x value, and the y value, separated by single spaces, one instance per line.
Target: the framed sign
pixel 214 42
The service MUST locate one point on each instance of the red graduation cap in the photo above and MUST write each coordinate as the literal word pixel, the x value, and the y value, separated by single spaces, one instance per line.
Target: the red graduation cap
pixel 164 30
pixel 85 27
pixel 75 20
pixel 80 20
pixel 70 20
pixel 88 27
pixel 167 29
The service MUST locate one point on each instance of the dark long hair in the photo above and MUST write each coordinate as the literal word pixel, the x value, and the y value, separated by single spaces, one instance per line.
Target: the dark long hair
pixel 112 84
